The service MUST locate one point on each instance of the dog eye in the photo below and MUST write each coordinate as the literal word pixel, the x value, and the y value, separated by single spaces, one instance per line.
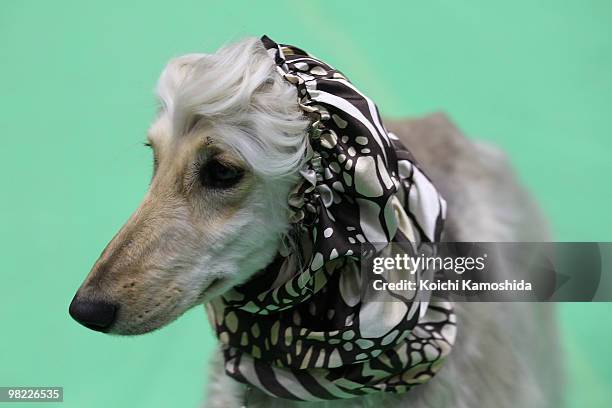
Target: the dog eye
pixel 219 175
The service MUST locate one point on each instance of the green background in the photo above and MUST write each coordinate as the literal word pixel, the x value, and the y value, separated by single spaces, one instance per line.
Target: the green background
pixel 76 98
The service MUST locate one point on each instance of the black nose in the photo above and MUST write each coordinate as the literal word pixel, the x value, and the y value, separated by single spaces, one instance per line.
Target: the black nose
pixel 93 314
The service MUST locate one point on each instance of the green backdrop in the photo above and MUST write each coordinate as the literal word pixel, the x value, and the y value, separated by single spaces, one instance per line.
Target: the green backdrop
pixel 76 82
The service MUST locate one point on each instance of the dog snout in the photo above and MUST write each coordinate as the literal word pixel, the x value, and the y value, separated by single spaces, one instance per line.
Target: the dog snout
pixel 94 314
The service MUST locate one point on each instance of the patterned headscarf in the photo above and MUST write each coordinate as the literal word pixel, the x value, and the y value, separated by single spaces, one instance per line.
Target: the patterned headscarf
pixel 300 329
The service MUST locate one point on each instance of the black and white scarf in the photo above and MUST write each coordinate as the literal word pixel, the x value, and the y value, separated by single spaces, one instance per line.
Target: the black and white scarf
pixel 300 329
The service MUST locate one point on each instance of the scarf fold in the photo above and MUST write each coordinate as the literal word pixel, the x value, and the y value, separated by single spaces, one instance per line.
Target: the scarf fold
pixel 301 328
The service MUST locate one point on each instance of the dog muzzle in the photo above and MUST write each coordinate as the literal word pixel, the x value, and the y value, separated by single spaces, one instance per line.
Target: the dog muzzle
pixel 301 329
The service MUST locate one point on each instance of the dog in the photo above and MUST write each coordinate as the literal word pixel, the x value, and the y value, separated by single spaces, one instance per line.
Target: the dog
pixel 228 142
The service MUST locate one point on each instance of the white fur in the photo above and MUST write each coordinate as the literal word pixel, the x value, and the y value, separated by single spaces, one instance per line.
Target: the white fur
pixel 252 108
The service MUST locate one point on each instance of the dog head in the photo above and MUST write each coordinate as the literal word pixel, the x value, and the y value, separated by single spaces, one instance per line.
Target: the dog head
pixel 227 144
